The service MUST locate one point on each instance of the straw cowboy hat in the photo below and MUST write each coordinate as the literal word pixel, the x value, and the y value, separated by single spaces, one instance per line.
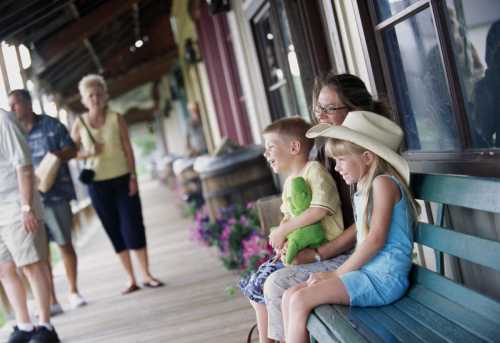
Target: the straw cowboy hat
pixel 371 131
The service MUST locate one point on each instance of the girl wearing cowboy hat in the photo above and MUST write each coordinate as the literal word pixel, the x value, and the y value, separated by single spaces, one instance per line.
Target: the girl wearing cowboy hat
pixel 365 150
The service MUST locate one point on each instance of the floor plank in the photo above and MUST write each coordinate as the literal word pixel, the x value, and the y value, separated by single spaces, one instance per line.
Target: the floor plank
pixel 192 307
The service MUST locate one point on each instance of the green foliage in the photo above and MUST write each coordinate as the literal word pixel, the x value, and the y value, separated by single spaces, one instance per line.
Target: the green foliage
pixel 146 144
pixel 230 291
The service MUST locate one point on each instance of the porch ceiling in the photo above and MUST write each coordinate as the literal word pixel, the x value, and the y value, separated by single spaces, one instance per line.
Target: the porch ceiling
pixel 71 38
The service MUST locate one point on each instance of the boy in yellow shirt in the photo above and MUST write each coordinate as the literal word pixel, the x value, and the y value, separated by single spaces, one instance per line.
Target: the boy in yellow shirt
pixel 287 151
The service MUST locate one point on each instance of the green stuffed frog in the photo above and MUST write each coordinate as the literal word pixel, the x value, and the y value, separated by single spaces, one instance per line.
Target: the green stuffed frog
pixel 310 236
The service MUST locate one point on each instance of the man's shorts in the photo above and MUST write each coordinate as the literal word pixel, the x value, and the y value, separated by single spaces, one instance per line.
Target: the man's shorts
pixel 17 244
pixel 59 221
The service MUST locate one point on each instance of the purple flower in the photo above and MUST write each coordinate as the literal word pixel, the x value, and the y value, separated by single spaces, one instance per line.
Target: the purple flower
pixel 244 221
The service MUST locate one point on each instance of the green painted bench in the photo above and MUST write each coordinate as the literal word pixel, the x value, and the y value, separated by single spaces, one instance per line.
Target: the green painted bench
pixel 435 309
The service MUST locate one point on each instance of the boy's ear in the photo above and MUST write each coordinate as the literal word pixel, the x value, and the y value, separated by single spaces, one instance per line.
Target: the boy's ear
pixel 295 146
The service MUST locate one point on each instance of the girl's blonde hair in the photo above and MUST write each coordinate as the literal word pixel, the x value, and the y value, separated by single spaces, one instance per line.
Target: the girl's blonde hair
pixel 336 147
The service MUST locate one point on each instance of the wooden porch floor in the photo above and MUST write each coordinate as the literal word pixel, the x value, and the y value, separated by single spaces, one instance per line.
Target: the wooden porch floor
pixel 192 307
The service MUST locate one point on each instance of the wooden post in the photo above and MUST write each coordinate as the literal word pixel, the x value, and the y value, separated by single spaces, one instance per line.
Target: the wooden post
pixel 3 70
pixel 20 64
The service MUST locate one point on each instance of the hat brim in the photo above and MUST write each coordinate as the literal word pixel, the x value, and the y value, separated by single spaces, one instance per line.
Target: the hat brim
pixel 369 143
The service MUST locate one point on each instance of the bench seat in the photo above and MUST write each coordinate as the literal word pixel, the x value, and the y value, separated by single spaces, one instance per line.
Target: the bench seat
pixel 429 312
pixel 435 308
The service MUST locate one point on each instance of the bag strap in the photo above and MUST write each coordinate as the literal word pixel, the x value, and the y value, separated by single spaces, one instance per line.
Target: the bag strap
pixel 87 129
pixel 249 337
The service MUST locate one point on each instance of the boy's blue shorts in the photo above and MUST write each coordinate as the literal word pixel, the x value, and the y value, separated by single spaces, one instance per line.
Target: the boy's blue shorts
pixel 252 285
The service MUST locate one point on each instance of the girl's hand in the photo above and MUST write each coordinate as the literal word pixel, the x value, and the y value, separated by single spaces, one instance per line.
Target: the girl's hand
pixel 132 186
pixel 317 277
pixel 277 238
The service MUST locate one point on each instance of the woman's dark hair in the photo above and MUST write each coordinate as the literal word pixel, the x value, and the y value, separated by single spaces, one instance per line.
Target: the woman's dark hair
pixel 351 91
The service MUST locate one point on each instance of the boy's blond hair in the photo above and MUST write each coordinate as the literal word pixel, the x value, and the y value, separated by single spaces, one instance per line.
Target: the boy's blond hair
pixel 294 128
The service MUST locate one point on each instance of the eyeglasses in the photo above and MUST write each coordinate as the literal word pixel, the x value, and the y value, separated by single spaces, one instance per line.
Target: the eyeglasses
pixel 328 109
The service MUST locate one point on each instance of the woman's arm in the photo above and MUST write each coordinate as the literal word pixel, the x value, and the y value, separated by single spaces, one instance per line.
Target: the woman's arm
pixel 75 136
pixel 129 154
pixel 333 248
pixel 127 147
pixel 310 216
pixel 385 195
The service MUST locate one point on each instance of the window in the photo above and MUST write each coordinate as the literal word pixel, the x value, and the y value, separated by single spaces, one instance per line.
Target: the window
pixel 474 28
pixel 422 93
pixel 440 67
pixel 388 8
pixel 279 63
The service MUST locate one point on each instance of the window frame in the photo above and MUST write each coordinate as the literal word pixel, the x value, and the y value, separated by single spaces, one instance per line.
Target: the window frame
pixel 466 161
pixel 268 6
pixel 309 40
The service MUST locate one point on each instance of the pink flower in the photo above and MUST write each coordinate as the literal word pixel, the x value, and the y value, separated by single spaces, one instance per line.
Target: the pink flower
pixel 226 232
pixel 252 246
pixel 196 235
pixel 224 237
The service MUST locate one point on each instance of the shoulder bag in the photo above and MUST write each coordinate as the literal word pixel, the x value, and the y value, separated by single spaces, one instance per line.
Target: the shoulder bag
pixel 87 174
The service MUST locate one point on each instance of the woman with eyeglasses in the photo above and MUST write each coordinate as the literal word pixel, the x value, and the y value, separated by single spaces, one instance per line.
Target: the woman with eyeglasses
pixel 334 96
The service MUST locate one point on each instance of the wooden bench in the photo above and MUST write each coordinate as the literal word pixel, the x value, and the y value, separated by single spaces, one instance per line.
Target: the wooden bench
pixel 435 309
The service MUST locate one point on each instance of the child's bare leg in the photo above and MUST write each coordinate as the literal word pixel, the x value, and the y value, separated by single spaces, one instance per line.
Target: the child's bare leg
pixel 285 304
pixel 261 315
pixel 329 291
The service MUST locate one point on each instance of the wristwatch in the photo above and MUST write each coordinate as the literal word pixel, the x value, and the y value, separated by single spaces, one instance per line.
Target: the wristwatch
pixel 317 256
pixel 26 208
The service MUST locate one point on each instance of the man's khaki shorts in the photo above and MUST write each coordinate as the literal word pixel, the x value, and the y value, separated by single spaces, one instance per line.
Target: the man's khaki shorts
pixel 17 244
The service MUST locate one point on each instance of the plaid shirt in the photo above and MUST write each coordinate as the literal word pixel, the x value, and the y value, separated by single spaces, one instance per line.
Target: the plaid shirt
pixel 49 134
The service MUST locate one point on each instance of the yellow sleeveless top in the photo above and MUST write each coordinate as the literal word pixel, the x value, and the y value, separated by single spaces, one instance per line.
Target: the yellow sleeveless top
pixel 111 162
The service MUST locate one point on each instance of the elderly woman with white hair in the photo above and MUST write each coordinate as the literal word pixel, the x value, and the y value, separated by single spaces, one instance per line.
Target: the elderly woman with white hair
pixel 104 141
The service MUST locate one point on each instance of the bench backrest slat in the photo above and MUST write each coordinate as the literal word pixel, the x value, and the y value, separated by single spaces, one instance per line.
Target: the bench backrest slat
pixel 474 249
pixel 455 292
pixel 470 192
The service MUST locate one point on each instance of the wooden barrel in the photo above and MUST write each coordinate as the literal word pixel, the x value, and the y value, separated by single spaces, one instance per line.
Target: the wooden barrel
pixel 168 171
pixel 237 177
pixel 187 179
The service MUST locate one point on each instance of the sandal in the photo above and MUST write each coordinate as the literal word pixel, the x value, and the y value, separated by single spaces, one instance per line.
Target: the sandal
pixel 130 289
pixel 153 284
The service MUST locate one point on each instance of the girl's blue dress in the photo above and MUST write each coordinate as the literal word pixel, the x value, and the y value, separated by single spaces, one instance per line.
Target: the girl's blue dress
pixel 384 279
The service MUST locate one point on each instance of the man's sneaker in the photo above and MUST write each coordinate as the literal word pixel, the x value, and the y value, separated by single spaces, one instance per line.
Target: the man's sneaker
pixel 56 309
pixel 44 335
pixel 20 336
pixel 76 300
